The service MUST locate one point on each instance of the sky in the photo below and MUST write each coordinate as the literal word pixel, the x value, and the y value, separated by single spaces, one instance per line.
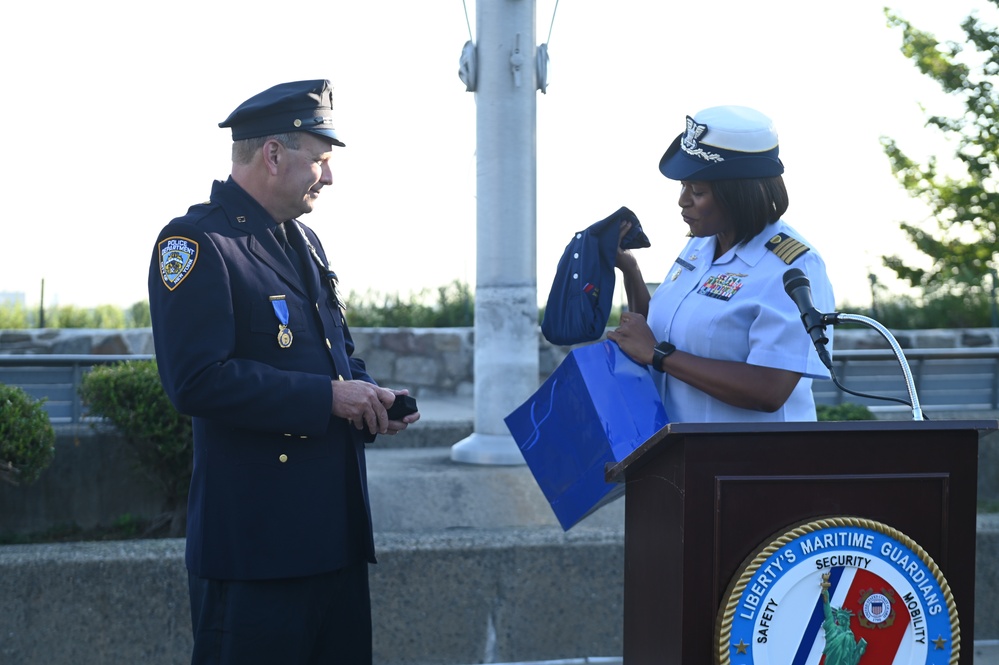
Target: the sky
pixel 112 118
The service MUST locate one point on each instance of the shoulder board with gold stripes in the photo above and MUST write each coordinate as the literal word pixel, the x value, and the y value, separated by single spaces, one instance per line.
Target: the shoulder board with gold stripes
pixel 786 248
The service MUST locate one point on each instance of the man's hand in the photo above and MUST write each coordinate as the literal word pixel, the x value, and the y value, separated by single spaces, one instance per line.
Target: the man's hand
pixel 362 404
pixel 365 405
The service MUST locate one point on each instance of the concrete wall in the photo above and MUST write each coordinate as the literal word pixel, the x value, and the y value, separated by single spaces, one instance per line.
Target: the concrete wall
pixel 459 597
pixel 92 481
pixel 446 597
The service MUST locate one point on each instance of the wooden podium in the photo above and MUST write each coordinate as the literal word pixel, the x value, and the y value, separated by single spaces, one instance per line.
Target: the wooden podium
pixel 701 498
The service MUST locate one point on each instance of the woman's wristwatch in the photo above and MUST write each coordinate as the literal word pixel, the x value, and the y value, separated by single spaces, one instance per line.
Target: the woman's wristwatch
pixel 660 352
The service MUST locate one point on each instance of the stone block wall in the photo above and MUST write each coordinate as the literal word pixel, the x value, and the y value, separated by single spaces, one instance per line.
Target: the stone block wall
pixel 437 362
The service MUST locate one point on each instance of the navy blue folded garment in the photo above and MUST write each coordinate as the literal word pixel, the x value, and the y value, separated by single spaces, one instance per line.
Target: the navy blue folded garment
pixel 580 301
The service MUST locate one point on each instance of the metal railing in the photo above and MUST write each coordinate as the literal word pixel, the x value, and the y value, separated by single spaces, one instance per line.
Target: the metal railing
pixel 963 379
pixel 946 379
pixel 56 378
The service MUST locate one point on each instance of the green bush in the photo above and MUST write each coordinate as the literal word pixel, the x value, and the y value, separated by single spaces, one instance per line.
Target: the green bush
pixel 138 315
pixel 936 309
pixel 13 316
pixel 70 316
pixel 453 305
pixel 449 306
pixel 130 396
pixel 844 411
pixel 108 317
pixel 27 439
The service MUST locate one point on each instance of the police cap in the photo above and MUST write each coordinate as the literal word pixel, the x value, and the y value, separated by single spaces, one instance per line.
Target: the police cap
pixel 298 106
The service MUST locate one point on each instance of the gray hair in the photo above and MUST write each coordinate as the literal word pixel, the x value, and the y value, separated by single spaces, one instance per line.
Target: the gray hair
pixel 243 150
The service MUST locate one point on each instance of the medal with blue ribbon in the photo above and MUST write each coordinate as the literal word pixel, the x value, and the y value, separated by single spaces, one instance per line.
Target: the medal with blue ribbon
pixel 284 336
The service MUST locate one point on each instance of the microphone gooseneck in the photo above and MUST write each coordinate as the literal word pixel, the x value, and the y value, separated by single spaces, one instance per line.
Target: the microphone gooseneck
pixel 910 383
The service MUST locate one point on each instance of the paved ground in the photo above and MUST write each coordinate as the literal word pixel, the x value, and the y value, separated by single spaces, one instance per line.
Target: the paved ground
pixel 986 653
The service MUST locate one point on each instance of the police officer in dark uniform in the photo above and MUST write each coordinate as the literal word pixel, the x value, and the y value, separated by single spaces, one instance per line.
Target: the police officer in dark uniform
pixel 251 341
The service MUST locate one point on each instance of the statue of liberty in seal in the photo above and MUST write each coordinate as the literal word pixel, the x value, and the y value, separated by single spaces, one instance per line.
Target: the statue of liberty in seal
pixel 840 648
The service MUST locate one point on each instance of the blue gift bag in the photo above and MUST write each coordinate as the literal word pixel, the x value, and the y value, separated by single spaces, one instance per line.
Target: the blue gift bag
pixel 597 407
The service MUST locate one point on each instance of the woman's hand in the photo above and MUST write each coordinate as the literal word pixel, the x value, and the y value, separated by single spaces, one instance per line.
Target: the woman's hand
pixel 625 261
pixel 634 284
pixel 634 337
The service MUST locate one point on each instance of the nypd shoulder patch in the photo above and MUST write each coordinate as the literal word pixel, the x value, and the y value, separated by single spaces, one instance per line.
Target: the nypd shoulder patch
pixel 788 249
pixel 177 258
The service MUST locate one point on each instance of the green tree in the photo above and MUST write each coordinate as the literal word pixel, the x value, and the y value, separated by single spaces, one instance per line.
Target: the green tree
pixel 962 248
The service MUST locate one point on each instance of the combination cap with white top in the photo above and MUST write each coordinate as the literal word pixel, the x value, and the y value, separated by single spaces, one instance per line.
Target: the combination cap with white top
pixel 724 143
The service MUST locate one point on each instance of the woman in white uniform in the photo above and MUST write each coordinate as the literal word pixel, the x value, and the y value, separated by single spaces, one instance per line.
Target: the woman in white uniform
pixel 724 340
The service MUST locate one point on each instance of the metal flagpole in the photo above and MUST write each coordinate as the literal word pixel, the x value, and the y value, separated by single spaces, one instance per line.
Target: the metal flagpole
pixel 506 305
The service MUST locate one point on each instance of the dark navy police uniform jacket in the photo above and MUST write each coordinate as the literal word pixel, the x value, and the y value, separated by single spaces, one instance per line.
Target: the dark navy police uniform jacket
pixel 279 485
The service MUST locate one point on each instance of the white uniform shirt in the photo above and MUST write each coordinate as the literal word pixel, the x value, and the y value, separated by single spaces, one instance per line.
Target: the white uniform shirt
pixel 736 309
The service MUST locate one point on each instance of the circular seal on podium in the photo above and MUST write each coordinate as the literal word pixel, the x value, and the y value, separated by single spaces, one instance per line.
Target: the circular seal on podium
pixel 841 591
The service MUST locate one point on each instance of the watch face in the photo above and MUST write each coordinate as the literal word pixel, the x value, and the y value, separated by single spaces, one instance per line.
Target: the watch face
pixel 661 350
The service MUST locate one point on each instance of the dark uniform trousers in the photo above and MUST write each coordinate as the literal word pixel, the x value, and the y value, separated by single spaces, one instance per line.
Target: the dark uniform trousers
pixel 318 620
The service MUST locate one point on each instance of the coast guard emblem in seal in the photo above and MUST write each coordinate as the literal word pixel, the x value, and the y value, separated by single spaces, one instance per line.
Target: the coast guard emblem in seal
pixel 839 591
pixel 177 258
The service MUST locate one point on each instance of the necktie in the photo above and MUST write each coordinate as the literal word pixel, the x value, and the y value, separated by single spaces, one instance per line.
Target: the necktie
pixel 282 237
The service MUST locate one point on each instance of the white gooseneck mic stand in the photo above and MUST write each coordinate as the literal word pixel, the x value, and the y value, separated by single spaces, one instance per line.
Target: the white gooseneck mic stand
pixel 910 384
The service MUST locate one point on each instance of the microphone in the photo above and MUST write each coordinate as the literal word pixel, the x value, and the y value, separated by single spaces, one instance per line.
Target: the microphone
pixel 800 290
